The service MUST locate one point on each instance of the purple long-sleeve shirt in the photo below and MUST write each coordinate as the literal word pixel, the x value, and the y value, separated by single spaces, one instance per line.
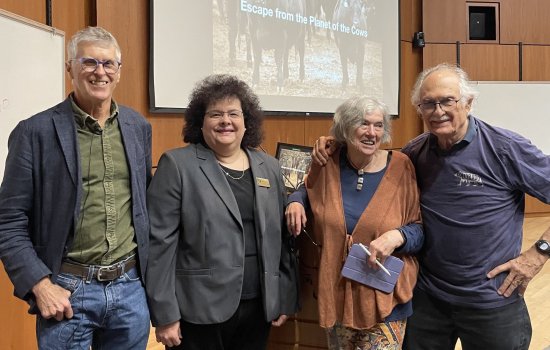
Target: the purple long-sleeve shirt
pixel 472 201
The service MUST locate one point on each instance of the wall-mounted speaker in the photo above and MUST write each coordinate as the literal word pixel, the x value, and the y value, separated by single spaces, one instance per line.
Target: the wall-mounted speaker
pixel 482 22
pixel 477 25
pixel 418 40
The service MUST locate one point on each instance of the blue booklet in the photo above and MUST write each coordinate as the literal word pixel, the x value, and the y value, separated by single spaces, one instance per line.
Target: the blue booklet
pixel 357 269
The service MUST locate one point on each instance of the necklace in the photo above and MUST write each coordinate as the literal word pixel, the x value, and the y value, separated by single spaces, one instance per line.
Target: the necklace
pixel 360 174
pixel 229 175
pixel 234 178
pixel 360 180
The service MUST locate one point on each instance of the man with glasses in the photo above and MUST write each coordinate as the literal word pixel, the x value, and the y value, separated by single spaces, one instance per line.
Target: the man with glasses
pixel 472 178
pixel 73 223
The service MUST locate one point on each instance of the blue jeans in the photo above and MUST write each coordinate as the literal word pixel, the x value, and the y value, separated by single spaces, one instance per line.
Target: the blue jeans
pixel 436 325
pixel 108 315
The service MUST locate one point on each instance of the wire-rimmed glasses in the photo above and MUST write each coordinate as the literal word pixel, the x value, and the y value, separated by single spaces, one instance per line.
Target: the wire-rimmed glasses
pixel 90 64
pixel 232 114
pixel 446 105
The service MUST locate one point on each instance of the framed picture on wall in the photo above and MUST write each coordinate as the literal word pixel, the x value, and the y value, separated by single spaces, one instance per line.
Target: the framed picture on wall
pixel 295 161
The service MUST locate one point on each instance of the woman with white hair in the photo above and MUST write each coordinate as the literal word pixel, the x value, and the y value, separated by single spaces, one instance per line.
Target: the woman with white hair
pixel 367 195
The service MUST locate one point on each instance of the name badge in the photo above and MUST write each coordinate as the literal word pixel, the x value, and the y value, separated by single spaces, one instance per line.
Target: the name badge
pixel 262 182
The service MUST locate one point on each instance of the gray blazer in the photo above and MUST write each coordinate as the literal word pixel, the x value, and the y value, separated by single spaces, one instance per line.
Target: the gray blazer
pixel 42 190
pixel 196 264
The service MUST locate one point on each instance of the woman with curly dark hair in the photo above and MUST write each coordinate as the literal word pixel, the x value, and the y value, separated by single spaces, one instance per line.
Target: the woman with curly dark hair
pixel 221 270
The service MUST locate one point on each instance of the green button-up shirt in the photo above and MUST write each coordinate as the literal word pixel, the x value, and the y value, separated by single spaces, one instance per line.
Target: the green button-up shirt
pixel 105 233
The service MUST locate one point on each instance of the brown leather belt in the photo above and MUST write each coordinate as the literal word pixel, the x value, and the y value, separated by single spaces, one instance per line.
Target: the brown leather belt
pixel 99 272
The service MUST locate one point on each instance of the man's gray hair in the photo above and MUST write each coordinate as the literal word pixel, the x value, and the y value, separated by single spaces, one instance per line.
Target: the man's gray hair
pixel 95 35
pixel 351 114
pixel 467 91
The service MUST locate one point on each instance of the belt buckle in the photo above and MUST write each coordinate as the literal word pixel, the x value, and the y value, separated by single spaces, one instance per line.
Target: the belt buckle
pixel 105 269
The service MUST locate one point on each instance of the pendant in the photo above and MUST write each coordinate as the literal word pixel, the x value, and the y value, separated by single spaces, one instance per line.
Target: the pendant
pixel 360 180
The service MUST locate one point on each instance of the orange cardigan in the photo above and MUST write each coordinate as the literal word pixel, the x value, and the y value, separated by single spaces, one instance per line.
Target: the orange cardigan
pixel 394 204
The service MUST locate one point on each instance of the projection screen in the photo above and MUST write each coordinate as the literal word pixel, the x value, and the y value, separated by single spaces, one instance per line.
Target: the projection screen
pixel 293 53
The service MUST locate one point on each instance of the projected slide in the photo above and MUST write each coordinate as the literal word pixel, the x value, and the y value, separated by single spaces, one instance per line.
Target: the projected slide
pixel 298 55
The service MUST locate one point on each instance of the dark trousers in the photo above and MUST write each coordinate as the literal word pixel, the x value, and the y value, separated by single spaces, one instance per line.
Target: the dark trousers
pixel 247 329
pixel 436 325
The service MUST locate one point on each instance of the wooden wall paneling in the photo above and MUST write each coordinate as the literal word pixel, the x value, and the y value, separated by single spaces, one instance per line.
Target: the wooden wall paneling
pixel 72 16
pixel 16 325
pixel 128 21
pixel 525 21
pixel 316 127
pixel 298 130
pixel 405 21
pixel 303 329
pixel 272 346
pixel 490 62
pixel 520 21
pixel 410 18
pixel 308 292
pixel 408 125
pixel 534 206
pixel 312 335
pixel 470 5
pixel 405 128
pixel 444 21
pixel 309 255
pixel 167 134
pixel 280 346
pixel 290 347
pixel 286 335
pixel 535 62
pixel 277 346
pixel 31 9
pixel 287 129
pixel 301 334
pixel 434 54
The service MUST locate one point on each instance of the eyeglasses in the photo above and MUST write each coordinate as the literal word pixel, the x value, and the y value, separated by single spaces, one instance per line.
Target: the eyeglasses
pixel 232 114
pixel 447 105
pixel 311 238
pixel 90 65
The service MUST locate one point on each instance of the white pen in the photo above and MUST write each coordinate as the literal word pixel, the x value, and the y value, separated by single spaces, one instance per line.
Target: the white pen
pixel 377 262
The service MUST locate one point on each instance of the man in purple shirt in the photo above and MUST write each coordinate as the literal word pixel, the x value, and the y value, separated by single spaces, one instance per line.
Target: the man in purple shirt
pixel 473 178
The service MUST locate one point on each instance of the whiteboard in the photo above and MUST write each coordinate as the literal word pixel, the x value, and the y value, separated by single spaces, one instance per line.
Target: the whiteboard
pixel 523 107
pixel 31 72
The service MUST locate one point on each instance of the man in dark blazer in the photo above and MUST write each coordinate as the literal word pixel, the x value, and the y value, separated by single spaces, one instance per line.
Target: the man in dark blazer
pixel 73 220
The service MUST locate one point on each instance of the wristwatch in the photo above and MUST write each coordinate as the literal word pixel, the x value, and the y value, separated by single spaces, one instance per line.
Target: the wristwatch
pixel 543 247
